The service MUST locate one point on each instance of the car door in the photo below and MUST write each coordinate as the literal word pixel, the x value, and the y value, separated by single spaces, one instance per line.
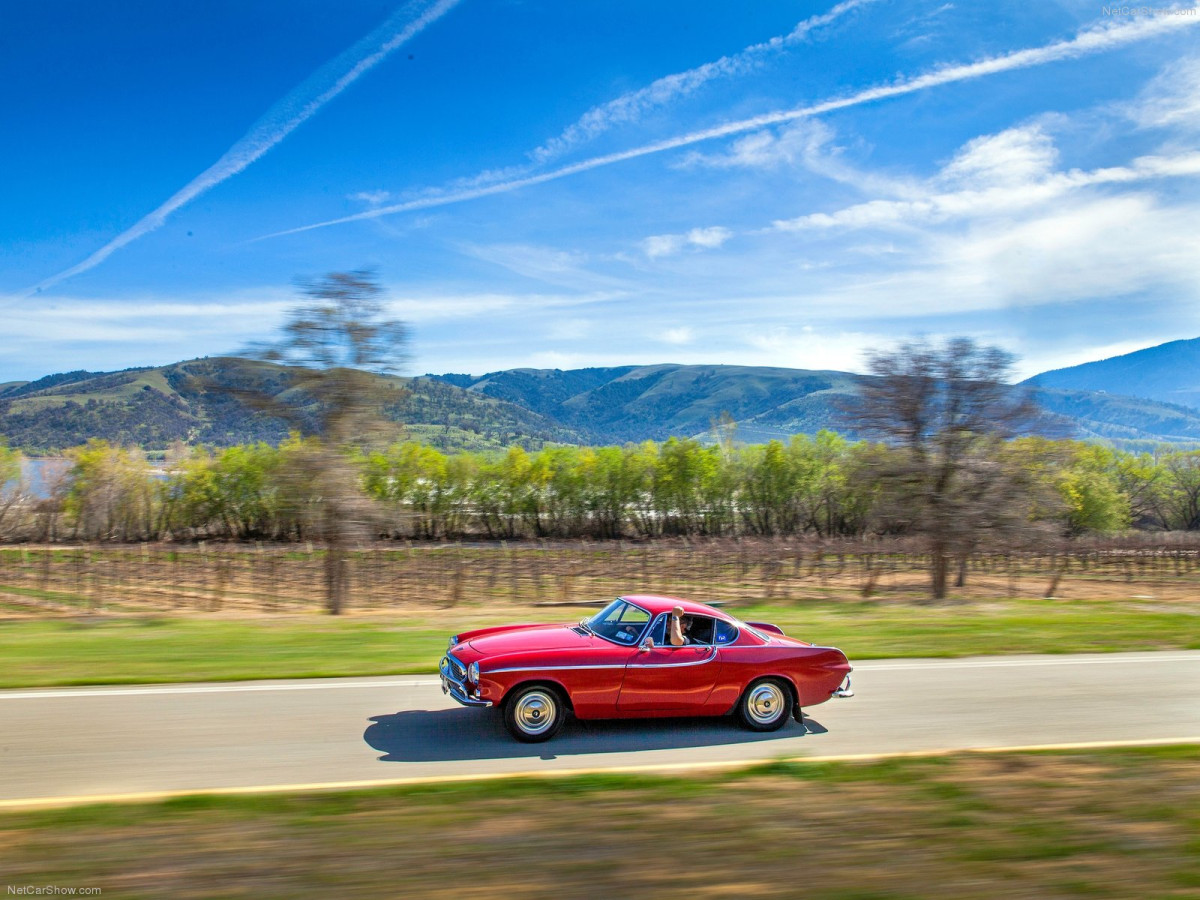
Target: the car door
pixel 669 678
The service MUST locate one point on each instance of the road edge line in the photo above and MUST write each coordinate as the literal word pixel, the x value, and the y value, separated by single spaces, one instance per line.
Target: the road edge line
pixel 37 803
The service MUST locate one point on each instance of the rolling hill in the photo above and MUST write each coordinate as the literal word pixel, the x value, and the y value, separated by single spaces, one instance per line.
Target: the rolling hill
pixel 155 407
pixel 633 403
pixel 640 402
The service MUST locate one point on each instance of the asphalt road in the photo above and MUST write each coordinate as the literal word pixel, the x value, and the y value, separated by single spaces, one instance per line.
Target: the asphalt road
pixel 90 742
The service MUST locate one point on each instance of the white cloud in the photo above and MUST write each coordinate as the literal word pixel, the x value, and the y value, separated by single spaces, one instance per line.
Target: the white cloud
pixel 663 245
pixel 806 143
pixel 1015 156
pixel 660 245
pixel 760 150
pixel 374 198
pixel 1172 100
pixel 709 238
pixel 1085 248
pixel 811 348
pixel 678 336
pixel 1007 185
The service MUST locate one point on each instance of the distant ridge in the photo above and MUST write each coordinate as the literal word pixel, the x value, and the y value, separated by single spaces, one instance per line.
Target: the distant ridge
pixel 154 407
pixel 767 403
pixel 1169 373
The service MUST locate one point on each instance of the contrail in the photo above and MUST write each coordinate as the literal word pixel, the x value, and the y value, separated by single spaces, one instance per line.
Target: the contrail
pixel 279 121
pixel 631 106
pixel 628 107
pixel 1094 40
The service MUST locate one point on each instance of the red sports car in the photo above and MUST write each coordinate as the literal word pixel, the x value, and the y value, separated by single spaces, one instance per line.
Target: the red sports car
pixel 641 656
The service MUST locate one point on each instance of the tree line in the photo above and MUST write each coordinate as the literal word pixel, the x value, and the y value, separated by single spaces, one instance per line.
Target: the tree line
pixel 948 458
pixel 821 485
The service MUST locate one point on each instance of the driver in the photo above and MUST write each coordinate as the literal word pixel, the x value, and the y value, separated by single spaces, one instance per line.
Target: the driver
pixel 679 627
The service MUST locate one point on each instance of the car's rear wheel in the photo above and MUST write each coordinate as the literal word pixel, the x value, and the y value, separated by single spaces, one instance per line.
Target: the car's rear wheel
pixel 765 705
pixel 534 713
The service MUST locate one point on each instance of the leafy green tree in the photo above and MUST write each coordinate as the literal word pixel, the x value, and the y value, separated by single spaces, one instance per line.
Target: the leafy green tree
pixel 1179 490
pixel 429 488
pixel 113 493
pixel 232 494
pixel 839 486
pixel 692 488
pixel 771 482
pixel 1091 490
pixel 614 481
pixel 1138 477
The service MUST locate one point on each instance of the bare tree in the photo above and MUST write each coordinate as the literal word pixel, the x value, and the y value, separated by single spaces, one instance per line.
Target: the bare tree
pixel 947 410
pixel 338 347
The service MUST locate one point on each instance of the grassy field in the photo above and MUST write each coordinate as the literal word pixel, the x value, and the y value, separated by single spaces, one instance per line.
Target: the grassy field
pixel 144 649
pixel 1112 824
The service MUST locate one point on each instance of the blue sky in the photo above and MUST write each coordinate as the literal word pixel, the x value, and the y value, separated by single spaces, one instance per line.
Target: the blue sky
pixel 600 182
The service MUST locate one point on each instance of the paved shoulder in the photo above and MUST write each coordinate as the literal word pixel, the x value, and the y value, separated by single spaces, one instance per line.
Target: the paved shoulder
pixel 101 741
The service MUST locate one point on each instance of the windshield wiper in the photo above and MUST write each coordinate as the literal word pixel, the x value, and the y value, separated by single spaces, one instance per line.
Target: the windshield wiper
pixel 583 623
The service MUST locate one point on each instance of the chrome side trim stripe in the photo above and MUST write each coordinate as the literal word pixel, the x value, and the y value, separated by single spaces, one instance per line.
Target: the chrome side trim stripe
pixel 698 662
pixel 548 668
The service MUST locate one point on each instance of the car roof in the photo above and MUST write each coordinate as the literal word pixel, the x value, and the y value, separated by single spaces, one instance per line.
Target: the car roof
pixel 656 603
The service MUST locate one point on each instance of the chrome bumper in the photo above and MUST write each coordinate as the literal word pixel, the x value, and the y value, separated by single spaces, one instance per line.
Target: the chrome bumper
pixel 844 689
pixel 457 688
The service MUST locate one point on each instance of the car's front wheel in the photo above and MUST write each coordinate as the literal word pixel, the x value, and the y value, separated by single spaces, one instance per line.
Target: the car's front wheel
pixel 765 705
pixel 534 713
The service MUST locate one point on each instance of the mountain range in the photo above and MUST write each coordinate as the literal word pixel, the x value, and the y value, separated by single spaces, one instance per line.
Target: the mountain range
pixel 1152 395
pixel 1169 373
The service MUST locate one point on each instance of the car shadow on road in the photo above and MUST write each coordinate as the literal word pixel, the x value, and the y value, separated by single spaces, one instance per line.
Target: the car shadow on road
pixel 460 734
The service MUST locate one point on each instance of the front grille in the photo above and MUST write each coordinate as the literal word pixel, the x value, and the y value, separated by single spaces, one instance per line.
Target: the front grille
pixel 459 670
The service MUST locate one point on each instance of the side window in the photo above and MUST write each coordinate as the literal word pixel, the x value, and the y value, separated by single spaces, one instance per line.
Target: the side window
pixel 659 632
pixel 725 632
pixel 702 630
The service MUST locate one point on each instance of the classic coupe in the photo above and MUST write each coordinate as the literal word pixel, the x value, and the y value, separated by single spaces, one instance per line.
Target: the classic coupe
pixel 640 657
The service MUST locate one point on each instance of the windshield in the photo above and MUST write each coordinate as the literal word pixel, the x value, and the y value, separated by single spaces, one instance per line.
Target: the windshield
pixel 620 622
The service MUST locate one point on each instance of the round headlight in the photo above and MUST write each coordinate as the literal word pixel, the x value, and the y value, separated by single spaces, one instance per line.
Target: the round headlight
pixel 453 641
pixel 473 672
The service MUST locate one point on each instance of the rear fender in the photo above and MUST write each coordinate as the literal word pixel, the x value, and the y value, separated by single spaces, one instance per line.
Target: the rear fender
pixel 766 626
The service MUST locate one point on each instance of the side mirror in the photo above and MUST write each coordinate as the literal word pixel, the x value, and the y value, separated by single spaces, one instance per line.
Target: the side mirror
pixel 647 644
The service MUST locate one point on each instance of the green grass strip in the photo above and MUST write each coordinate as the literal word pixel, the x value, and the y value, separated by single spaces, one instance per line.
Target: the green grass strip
pixel 115 650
